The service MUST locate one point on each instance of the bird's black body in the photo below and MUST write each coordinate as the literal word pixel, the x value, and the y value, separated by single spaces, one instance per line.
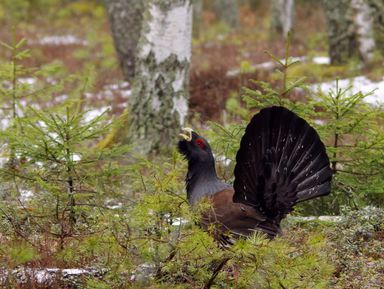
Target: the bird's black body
pixel 281 162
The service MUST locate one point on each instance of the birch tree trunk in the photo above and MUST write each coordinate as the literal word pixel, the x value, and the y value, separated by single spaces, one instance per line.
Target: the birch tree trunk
pixel 159 103
pixel 350 30
pixel 341 36
pixel 125 18
pixel 282 16
pixel 363 21
pixel 227 11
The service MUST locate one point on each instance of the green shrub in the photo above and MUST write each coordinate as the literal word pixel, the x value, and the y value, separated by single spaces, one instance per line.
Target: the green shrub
pixel 49 158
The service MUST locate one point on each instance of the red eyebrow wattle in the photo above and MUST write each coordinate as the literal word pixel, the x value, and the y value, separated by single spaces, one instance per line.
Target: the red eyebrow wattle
pixel 200 143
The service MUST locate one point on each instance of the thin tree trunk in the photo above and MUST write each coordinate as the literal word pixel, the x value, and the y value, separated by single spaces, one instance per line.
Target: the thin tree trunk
pixel 125 18
pixel 341 35
pixel 282 16
pixel 160 92
pixel 377 10
pixel 227 11
pixel 197 13
pixel 251 4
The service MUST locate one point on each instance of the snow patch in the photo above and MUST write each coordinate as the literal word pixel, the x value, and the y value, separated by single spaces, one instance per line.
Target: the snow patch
pixel 323 60
pixel 61 40
pixel 27 80
pixel 92 114
pixel 224 160
pixel 25 195
pixel 334 219
pixel 319 121
pixel 179 222
pixel 269 65
pixel 3 161
pixel 4 123
pixel 356 84
pixel 61 98
pixel 76 157
pixel 48 275
pixel 111 91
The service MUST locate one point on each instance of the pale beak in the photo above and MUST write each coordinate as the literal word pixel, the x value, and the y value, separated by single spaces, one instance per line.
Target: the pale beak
pixel 186 133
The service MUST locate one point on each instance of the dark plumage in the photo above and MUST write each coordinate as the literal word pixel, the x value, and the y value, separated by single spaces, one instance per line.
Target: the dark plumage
pixel 281 162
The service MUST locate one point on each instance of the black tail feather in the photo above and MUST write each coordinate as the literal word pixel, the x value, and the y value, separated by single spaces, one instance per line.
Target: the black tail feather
pixel 281 161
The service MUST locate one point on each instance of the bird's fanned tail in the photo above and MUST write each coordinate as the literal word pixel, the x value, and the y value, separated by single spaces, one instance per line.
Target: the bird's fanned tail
pixel 281 162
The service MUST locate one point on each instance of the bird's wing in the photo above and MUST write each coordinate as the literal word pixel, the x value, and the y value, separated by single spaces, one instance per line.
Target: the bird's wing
pixel 281 161
pixel 231 220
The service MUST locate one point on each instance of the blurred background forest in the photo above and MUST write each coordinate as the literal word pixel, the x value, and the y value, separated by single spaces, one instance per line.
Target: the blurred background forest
pixel 77 191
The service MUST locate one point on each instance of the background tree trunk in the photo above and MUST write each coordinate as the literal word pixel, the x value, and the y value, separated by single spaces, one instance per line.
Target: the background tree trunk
pixel 377 10
pixel 125 19
pixel 197 13
pixel 350 30
pixel 159 98
pixel 363 22
pixel 282 16
pixel 252 4
pixel 227 11
pixel 341 36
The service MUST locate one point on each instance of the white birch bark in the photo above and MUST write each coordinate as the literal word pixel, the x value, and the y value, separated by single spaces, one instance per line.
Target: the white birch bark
pixel 159 99
pixel 363 22
pixel 282 16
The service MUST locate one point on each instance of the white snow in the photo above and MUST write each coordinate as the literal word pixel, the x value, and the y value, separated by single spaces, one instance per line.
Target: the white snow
pixel 46 275
pixel 179 222
pixel 224 160
pixel 269 65
pixel 3 161
pixel 169 32
pixel 359 83
pixel 61 40
pixel 126 93
pixel 110 91
pixel 25 195
pixel 61 98
pixel 4 122
pixel 117 86
pixel 118 205
pixel 321 60
pixel 76 157
pixel 27 80
pixel 93 113
pixel 317 218
pixel 319 121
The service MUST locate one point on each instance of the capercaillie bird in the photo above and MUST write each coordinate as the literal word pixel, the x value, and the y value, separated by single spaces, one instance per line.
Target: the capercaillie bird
pixel 281 162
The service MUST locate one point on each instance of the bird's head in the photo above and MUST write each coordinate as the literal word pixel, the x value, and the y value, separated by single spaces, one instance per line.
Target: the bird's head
pixel 194 147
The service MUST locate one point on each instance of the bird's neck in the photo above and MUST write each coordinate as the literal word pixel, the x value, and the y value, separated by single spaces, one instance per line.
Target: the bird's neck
pixel 202 180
